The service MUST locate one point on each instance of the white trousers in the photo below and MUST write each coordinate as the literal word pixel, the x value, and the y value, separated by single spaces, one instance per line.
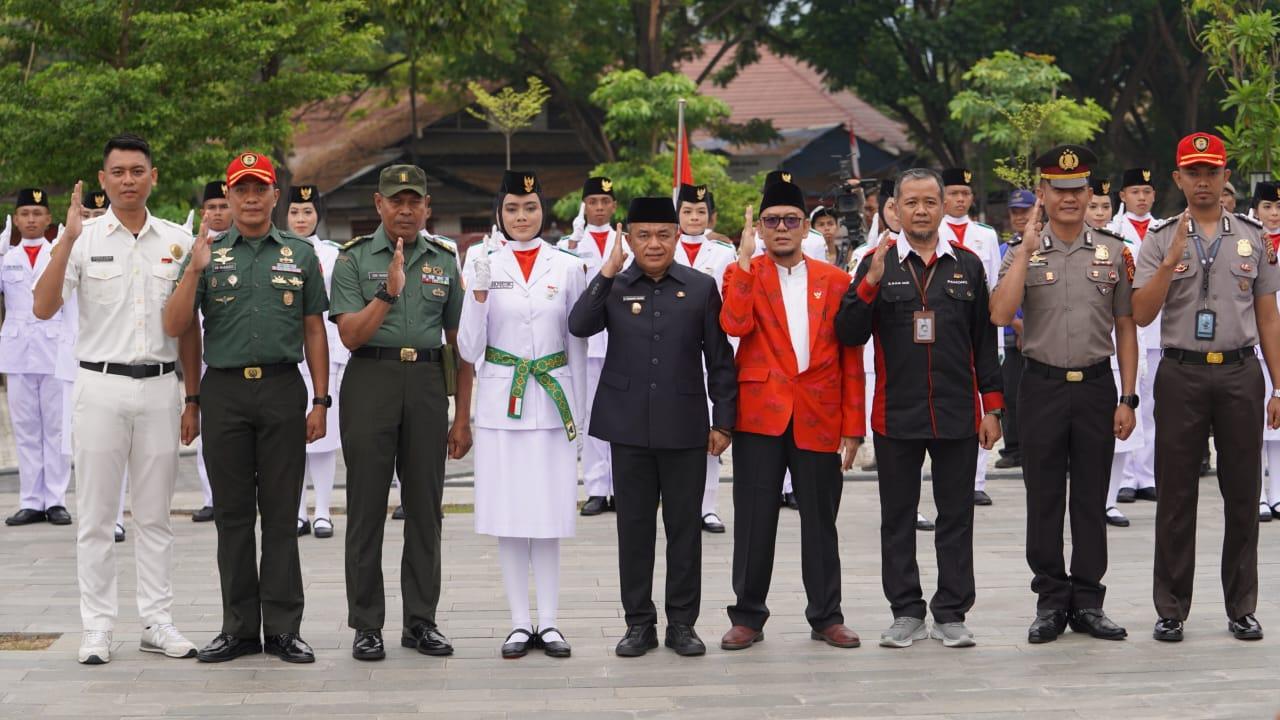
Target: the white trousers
pixel 597 468
pixel 712 489
pixel 1119 461
pixel 125 424
pixel 980 475
pixel 35 412
pixel 1271 482
pixel 1141 467
pixel 321 469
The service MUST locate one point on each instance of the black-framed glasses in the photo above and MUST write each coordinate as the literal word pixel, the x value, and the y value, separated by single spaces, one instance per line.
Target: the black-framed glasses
pixel 771 221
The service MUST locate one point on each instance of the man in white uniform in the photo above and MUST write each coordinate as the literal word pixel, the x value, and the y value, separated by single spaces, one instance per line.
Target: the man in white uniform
pixel 694 206
pixel 126 408
pixel 984 241
pixel 593 239
pixel 28 350
pixel 1137 196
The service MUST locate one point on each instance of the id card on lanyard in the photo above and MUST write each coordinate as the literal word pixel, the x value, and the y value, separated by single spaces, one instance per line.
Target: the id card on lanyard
pixel 1206 319
pixel 923 326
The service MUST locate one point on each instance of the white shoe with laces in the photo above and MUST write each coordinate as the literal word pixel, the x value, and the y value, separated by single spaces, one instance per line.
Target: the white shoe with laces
pixel 166 639
pixel 95 647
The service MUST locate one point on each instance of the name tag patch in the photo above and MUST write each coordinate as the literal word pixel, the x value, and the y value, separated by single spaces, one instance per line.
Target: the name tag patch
pixel 501 285
pixel 102 258
pixel 378 275
pixel 225 267
pixel 633 298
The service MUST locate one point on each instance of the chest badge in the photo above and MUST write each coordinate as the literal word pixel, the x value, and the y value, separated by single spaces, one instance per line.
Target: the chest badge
pixel 1101 253
pixel 635 308
pixel 679 293
pixel 1048 276
pixel 438 292
pixel 817 294
pixel 1246 267
pixel 232 280
pixel 287 296
pixel 176 251
pixel 1180 268
pixel 551 291
pixel 1243 247
pixel 222 255
pixel 286 252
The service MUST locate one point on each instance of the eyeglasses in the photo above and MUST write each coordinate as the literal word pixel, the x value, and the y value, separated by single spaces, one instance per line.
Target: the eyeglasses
pixel 771 221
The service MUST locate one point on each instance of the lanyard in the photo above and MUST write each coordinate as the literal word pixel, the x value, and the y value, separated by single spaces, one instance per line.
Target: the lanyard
pixel 1206 264
pixel 923 287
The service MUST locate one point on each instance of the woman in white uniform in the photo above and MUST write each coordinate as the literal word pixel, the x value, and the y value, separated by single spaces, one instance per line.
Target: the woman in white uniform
pixel 530 392
pixel 1266 208
pixel 322 455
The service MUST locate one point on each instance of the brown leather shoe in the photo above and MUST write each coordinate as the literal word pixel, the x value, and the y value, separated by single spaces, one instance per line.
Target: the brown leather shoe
pixel 837 635
pixel 740 637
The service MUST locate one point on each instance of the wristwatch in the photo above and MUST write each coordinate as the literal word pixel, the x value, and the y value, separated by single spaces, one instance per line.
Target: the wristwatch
pixel 1130 400
pixel 385 296
pixel 723 431
pixel 192 400
pixel 326 401
pixel 998 412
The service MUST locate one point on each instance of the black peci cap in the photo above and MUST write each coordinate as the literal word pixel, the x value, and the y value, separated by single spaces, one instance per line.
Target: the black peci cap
pixel 216 190
pixel 519 182
pixel 32 196
pixel 957 176
pixel 597 186
pixel 304 194
pixel 652 210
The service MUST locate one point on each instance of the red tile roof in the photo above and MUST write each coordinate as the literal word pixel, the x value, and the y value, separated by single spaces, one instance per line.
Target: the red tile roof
pixel 792 95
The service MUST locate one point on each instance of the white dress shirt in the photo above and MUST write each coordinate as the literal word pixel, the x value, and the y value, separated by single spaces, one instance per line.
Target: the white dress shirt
pixel 124 282
pixel 795 290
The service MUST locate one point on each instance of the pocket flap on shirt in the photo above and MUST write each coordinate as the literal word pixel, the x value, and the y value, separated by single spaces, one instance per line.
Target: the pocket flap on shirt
pixel 103 271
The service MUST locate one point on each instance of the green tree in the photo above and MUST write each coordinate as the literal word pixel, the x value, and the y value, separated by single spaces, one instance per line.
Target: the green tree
pixel 509 111
pixel 1012 105
pixel 1241 39
pixel 199 80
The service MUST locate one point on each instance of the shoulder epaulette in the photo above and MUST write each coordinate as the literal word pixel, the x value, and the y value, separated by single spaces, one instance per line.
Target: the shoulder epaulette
pixel 975 222
pixel 331 243
pixel 725 244
pixel 443 243
pixel 1109 233
pixel 355 241
pixel 1161 224
pixel 1252 221
pixel 568 252
pixel 170 223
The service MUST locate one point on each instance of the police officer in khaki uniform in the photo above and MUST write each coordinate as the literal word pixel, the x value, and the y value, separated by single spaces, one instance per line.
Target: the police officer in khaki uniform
pixel 1074 287
pixel 394 292
pixel 1215 277
pixel 262 295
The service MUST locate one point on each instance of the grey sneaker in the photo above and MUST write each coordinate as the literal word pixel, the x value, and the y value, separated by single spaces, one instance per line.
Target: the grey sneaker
pixel 903 632
pixel 952 635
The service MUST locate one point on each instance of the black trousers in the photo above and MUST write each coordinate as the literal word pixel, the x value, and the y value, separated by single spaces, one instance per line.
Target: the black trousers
pixel 1191 400
pixel 899 463
pixel 394 417
pixel 641 478
pixel 1011 371
pixel 255 439
pixel 759 466
pixel 1070 426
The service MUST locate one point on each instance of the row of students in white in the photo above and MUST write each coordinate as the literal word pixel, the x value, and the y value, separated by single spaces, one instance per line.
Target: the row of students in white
pixel 1266 208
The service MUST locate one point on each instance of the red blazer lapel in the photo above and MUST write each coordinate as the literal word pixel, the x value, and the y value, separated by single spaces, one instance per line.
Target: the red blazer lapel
pixel 772 289
pixel 816 299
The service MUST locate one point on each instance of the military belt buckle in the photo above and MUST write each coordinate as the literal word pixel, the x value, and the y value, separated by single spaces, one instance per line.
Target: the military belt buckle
pixel 408 355
pixel 1213 358
pixel 253 373
pixel 1075 376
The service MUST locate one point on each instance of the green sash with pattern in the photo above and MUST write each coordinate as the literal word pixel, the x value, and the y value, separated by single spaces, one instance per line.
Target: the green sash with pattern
pixel 540 369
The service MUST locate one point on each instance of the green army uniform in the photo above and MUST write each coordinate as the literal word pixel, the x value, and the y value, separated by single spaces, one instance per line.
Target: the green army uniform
pixel 254 295
pixel 394 416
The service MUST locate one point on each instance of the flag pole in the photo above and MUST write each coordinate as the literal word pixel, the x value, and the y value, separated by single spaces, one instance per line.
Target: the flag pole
pixel 680 149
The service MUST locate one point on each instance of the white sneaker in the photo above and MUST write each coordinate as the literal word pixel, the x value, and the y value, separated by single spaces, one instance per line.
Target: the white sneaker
pixel 95 647
pixel 166 639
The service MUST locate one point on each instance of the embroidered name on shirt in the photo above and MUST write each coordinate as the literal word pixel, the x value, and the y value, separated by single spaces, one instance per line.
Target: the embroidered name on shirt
pixel 378 275
pixel 501 285
pixel 102 258
pixel 633 298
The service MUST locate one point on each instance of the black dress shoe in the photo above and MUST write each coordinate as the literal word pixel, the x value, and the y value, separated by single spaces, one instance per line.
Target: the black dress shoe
pixel 304 528
pixel 554 648
pixel 1047 626
pixel 1146 493
pixel 226 647
pixel 517 644
pixel 204 514
pixel 1246 628
pixel 595 505
pixel 712 524
pixel 1096 623
pixel 924 524
pixel 980 497
pixel 323 527
pixel 368 645
pixel 789 501
pixel 398 513
pixel 1118 520
pixel 1126 495
pixel 26 516
pixel 1008 461
pixel 428 640
pixel 289 648
pixel 639 640
pixel 684 640
pixel 119 532
pixel 58 515
pixel 1168 630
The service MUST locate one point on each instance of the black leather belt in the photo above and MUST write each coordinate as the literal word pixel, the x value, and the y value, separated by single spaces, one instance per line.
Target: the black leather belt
pixel 258 372
pixel 137 372
pixel 1067 374
pixel 1227 357
pixel 398 354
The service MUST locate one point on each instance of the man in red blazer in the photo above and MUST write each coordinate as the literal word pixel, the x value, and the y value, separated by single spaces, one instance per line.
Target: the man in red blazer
pixel 800 404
